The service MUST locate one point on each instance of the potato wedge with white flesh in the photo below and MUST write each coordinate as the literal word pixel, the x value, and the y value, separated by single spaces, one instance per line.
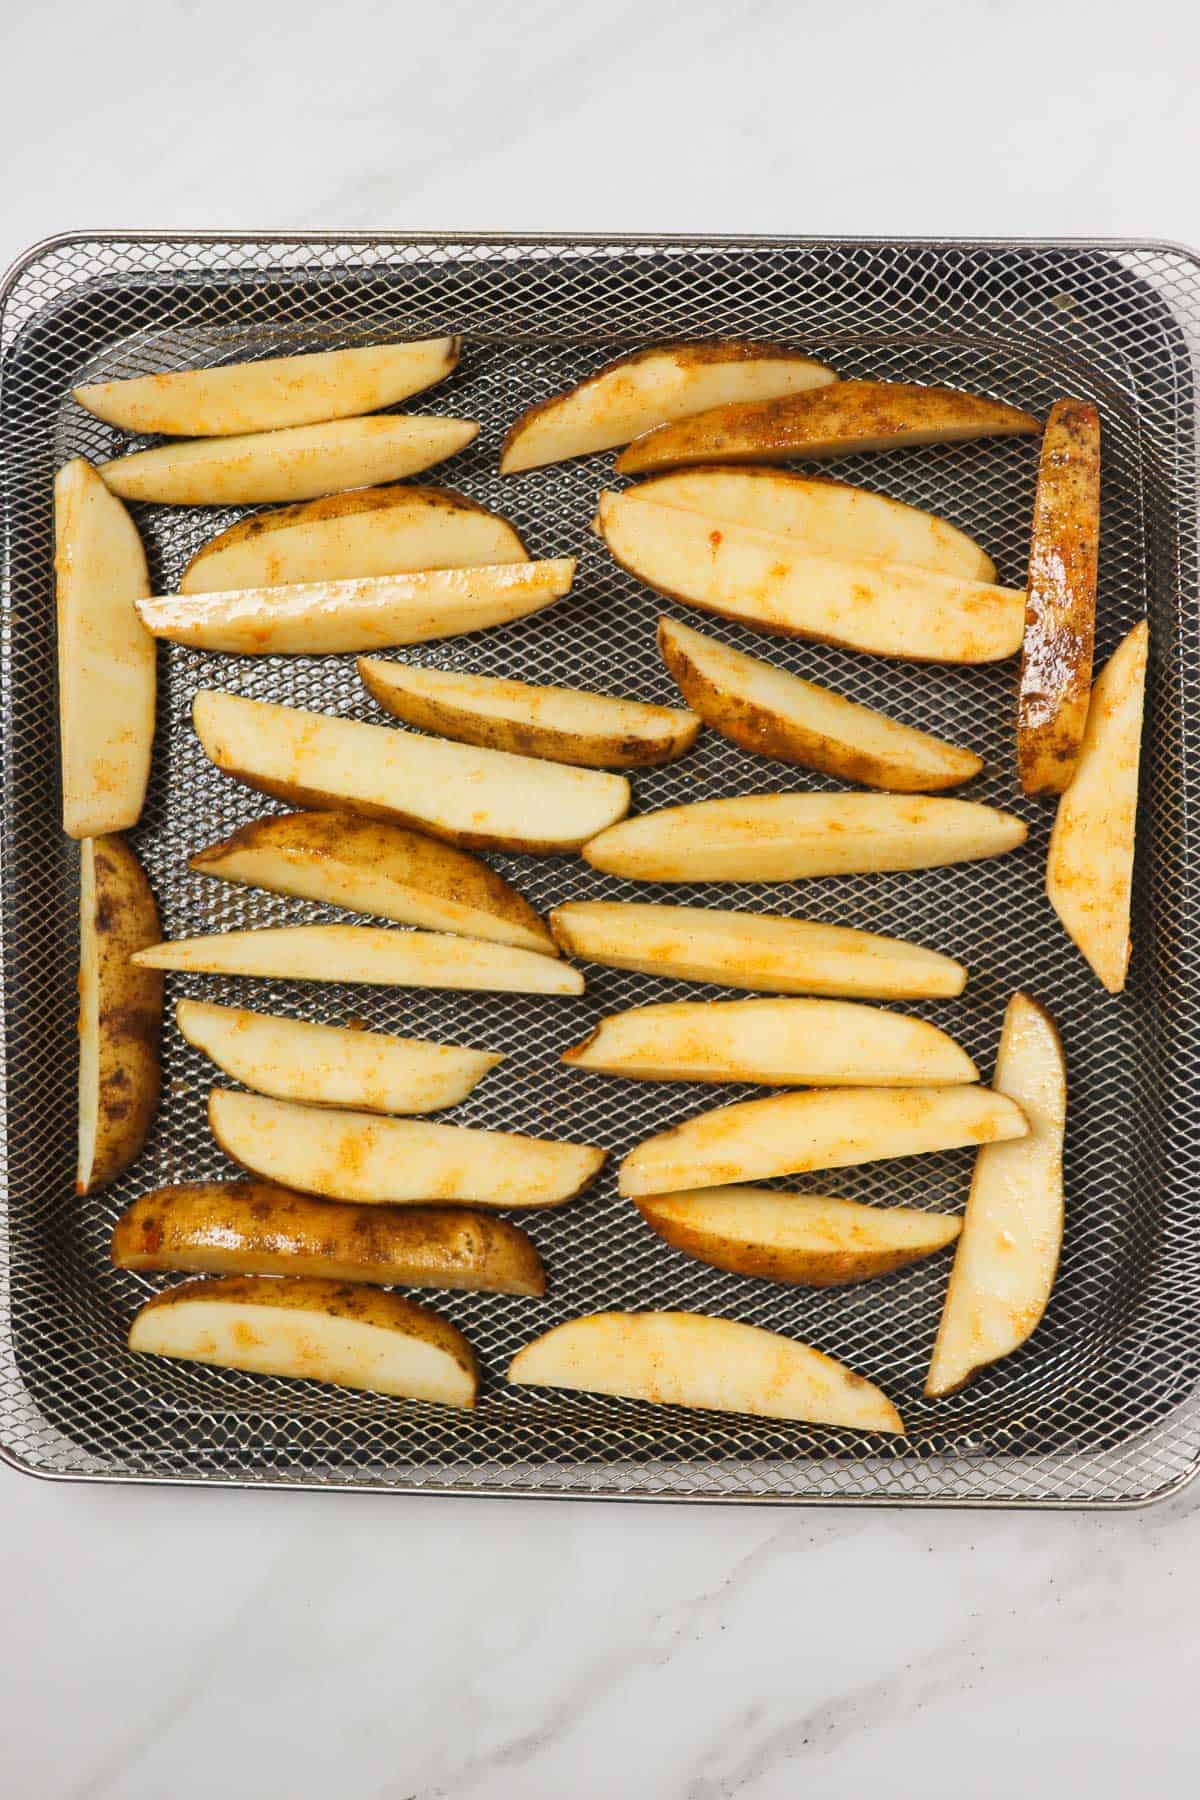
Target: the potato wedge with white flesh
pixel 368 866
pixel 106 657
pixel 345 537
pixel 321 618
pixel 757 951
pixel 1007 1256
pixel 592 731
pixel 120 1012
pixel 301 462
pixel 830 517
pixel 825 1128
pixel 810 1240
pixel 480 799
pixel 778 585
pixel 367 953
pixel 637 392
pixel 787 837
pixel 332 1065
pixel 253 1228
pixel 360 1156
pixel 278 391
pixel 350 1335
pixel 772 713
pixel 689 1359
pixel 841 420
pixel 774 1043
pixel 1060 617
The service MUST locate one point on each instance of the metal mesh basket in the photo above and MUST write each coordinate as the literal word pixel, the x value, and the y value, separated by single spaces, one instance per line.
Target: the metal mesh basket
pixel 1102 1405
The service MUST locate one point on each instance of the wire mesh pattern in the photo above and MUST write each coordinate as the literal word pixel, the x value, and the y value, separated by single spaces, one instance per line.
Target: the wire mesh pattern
pixel 1101 1406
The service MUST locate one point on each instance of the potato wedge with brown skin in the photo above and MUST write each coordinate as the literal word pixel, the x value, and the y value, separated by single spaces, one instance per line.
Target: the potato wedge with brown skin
pixel 344 537
pixel 591 731
pixel 359 1156
pixel 368 866
pixel 772 713
pixel 809 1240
pixel 1060 613
pixel 1089 869
pixel 690 1359
pixel 254 1228
pixel 352 1336
pixel 275 392
pixel 301 462
pixel 637 392
pixel 842 420
pixel 825 1128
pixel 120 1012
pixel 479 799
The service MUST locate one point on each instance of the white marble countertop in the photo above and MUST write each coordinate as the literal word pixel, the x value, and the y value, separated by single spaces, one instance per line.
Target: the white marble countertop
pixel 168 1645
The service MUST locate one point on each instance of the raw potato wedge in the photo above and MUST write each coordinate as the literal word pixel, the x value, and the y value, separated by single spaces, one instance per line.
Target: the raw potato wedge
pixel 480 799
pixel 106 673
pixel 349 1335
pixel 811 1240
pixel 637 392
pixel 359 1156
pixel 772 713
pixel 564 725
pixel 689 1359
pixel 778 585
pixel 321 618
pixel 367 953
pixel 301 462
pixel 757 951
pixel 1007 1256
pixel 1089 870
pixel 253 1228
pixel 279 391
pixel 774 1043
pixel 120 1012
pixel 331 1065
pixel 371 867
pixel 345 537
pixel 834 1128
pixel 786 837
pixel 842 420
pixel 1060 615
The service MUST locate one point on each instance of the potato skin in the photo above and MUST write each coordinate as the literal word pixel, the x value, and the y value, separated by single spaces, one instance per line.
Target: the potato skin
pixel 798 1268
pixel 130 1000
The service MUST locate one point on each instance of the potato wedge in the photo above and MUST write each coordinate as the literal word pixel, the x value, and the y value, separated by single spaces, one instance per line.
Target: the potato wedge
pixel 368 866
pixel 775 584
pixel 1060 614
pixel 689 1359
pixel 786 837
pixel 834 1128
pixel 331 1065
pixel 301 462
pixel 772 713
pixel 360 1156
pixel 480 799
pixel 842 420
pixel 345 537
pixel 106 672
pixel 253 1228
pixel 639 391
pixel 351 1336
pixel 757 951
pixel 275 392
pixel 591 731
pixel 1007 1256
pixel 811 1240
pixel 120 1012
pixel 1089 870
pixel 774 1043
